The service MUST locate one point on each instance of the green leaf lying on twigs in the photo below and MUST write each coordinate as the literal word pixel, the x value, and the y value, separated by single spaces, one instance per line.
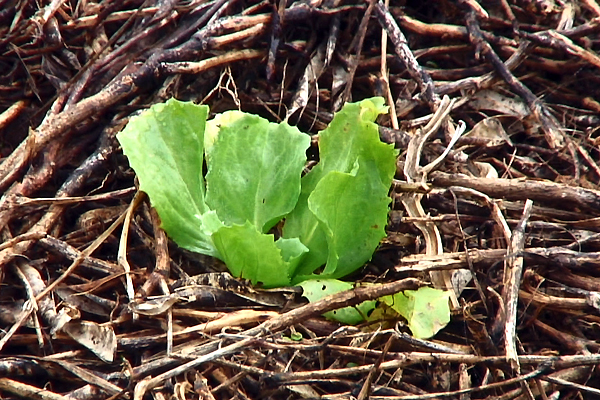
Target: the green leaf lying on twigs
pixel 426 310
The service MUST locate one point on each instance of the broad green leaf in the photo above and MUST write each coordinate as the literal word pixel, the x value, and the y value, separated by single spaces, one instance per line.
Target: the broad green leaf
pixel 352 209
pixel 351 135
pixel 253 255
pixel 426 310
pixel 213 126
pixel 254 171
pixel 165 147
pixel 317 289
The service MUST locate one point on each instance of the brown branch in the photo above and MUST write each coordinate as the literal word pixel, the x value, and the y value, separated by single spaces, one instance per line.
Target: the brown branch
pixel 569 197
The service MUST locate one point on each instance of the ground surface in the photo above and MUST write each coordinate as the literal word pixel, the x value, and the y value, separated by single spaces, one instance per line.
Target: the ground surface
pixel 515 202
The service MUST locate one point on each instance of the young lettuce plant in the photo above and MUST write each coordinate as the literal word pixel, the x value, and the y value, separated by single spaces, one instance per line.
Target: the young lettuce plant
pixel 253 180
pixel 333 218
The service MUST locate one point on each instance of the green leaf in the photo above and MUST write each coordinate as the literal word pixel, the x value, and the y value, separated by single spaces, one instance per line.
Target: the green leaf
pixel 426 310
pixel 165 147
pixel 254 170
pixel 352 209
pixel 317 289
pixel 372 108
pixel 292 252
pixel 302 223
pixel 351 136
pixel 213 126
pixel 253 255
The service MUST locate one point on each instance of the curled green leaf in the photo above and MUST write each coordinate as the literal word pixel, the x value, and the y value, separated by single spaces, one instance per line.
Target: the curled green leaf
pixel 351 139
pixel 352 236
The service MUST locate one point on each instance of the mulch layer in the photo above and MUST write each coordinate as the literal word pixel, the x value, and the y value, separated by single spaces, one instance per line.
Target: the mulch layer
pixel 92 310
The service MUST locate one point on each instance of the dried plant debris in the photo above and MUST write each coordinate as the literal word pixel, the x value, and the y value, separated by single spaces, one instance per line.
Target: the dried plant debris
pixel 493 113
